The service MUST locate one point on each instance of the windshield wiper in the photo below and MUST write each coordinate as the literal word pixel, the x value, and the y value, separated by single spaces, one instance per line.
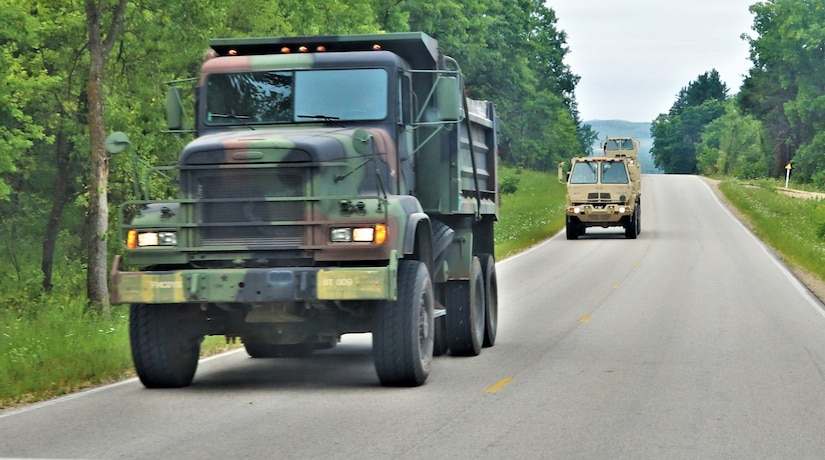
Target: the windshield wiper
pixel 242 118
pixel 326 118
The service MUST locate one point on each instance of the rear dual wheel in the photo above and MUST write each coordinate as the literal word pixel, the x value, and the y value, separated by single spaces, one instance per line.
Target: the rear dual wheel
pixel 466 313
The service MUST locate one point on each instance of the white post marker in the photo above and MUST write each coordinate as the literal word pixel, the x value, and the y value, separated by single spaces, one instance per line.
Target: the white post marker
pixel 787 174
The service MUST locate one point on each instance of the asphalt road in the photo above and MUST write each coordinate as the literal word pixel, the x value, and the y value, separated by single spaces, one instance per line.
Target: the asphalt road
pixel 692 341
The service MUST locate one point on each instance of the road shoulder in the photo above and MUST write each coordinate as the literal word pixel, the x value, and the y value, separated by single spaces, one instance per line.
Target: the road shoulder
pixel 811 281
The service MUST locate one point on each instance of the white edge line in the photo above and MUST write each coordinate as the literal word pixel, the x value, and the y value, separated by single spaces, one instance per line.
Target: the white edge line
pixel 91 391
pixel 813 301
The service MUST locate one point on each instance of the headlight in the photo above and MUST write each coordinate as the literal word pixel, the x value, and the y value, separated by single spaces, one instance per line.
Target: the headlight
pixel 367 234
pixel 577 210
pixel 340 235
pixel 622 210
pixel 136 239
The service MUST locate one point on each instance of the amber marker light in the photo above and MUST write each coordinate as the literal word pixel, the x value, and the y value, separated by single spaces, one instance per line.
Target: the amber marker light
pixel 303 49
pixel 285 49
pixel 131 239
pixel 376 47
pixel 380 233
pixel 321 48
pixel 233 52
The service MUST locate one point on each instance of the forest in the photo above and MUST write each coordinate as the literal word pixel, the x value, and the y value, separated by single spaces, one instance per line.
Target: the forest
pixel 73 72
pixel 773 123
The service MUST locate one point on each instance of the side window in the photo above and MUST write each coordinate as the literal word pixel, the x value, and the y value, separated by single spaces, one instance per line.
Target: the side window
pixel 405 99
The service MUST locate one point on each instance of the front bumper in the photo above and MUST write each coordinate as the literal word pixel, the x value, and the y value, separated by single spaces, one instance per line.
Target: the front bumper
pixel 253 285
pixel 609 213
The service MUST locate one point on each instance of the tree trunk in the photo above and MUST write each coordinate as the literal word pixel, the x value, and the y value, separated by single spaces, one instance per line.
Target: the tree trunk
pixel 96 281
pixel 61 198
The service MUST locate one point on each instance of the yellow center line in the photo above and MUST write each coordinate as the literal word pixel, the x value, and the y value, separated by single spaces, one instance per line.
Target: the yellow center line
pixel 501 384
pixel 585 319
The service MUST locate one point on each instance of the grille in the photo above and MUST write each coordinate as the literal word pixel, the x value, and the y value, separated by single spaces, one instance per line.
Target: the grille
pixel 242 207
pixel 598 196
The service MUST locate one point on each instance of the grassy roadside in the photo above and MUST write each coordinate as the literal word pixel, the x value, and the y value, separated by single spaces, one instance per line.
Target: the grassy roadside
pixel 50 346
pixel 794 227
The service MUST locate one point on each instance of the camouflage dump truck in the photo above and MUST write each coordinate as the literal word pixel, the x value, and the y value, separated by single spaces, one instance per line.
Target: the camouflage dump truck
pixel 604 191
pixel 336 184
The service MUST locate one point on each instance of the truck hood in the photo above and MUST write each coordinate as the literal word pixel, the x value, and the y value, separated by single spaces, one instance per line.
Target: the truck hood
pixel 310 144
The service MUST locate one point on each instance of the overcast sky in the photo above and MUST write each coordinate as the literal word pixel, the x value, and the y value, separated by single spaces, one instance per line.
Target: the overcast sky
pixel 633 56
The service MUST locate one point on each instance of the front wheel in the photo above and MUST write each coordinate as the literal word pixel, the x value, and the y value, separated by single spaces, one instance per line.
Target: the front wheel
pixel 572 229
pixel 165 352
pixel 631 229
pixel 402 338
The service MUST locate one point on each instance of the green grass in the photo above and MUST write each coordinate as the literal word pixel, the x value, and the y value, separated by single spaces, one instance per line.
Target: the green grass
pixel 63 349
pixel 794 227
pixel 533 213
pixel 51 345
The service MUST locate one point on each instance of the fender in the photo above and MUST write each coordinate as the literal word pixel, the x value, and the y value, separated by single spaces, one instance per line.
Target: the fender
pixel 418 239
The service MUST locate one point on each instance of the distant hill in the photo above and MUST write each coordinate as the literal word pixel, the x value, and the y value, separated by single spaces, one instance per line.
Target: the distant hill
pixel 619 128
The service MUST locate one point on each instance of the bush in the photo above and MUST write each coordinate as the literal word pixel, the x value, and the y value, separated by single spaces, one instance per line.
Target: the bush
pixel 509 185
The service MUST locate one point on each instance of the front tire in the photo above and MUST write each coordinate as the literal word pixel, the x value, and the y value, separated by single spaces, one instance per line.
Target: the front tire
pixel 631 229
pixel 402 339
pixel 573 229
pixel 165 352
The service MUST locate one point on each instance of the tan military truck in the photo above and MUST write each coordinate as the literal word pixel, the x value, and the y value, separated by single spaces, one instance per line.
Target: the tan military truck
pixel 627 147
pixel 603 191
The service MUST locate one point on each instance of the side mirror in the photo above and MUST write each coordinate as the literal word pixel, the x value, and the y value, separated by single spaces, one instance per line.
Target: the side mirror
pixel 448 99
pixel 174 108
pixel 563 172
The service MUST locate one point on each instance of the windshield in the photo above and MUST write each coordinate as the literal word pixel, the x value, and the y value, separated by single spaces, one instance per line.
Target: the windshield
pixel 584 172
pixel 587 172
pixel 296 96
pixel 619 144
pixel 613 173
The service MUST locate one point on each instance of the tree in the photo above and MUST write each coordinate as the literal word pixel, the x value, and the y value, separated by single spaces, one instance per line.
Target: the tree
pixel 100 45
pixel 732 145
pixel 785 89
pixel 677 133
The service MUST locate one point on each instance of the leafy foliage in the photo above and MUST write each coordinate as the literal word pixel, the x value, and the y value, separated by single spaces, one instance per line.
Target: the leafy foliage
pixel 785 89
pixel 676 134
pixel 731 146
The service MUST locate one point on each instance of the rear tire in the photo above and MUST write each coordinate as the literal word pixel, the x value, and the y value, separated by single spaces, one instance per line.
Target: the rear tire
pixel 465 313
pixel 164 351
pixel 440 343
pixel 403 335
pixel 488 270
